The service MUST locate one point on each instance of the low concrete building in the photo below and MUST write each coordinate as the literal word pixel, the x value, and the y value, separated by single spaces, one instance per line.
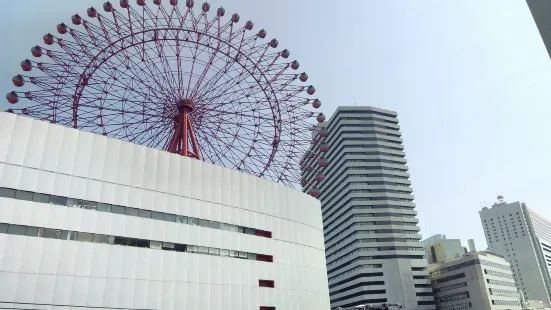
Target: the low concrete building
pixel 443 250
pixel 479 281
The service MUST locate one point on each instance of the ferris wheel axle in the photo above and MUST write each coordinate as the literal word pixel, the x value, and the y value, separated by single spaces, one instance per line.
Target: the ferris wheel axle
pixel 184 134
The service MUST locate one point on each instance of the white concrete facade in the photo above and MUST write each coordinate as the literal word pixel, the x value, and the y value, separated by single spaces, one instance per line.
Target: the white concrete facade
pixel 207 236
pixel 372 237
pixel 524 238
pixel 478 281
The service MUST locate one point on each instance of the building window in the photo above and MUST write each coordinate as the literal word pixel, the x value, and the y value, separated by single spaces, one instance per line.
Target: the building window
pixel 52 233
pixel 17 230
pixel 109 208
pixel 266 283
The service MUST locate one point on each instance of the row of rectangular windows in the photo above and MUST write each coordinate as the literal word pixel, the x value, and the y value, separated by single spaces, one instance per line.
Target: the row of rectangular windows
pixel 456 307
pixel 391 256
pixel 374 240
pixel 502 283
pixel 450 278
pixel 451 287
pixel 475 262
pixel 360 215
pixel 110 208
pixel 361 284
pixel 358 168
pixel 347 190
pixel 505 303
pixel 369 249
pixel 370 223
pixel 52 233
pixel 367 266
pixel 454 296
pixel 505 293
pixel 352 253
pixel 342 210
pixel 498 274
pixel 369 232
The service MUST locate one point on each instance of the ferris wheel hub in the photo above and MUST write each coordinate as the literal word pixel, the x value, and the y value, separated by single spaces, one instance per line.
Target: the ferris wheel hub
pixel 185 105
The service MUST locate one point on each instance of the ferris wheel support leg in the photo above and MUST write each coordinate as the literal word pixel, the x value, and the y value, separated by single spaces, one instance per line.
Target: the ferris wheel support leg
pixel 173 145
pixel 185 129
pixel 193 140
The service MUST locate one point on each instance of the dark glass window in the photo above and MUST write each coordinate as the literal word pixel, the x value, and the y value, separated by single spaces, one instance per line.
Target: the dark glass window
pixel 170 217
pixel 168 246
pixel 118 209
pixel 89 205
pixel 52 233
pixel 123 241
pixel 75 203
pixel 204 223
pixel 104 207
pixel 24 195
pixel 267 283
pixel 37 197
pixel 215 225
pixel 101 238
pixel 193 221
pixel 182 219
pixel 180 247
pixel 3 228
pixel 142 243
pixel 214 251
pixel 17 230
pixel 145 213
pixel 251 256
pixel 157 215
pixel 32 231
pixel 58 200
pixel 7 192
pixel 132 212
pixel 250 231
pixel 86 237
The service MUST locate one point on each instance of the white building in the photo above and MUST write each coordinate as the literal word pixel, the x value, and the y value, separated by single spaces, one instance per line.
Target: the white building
pixel 524 238
pixel 89 222
pixel 371 226
pixel 478 281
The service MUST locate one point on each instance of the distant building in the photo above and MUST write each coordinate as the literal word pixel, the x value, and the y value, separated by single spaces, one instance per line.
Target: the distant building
pixel 444 250
pixel 477 281
pixel 432 239
pixel 541 11
pixel 524 238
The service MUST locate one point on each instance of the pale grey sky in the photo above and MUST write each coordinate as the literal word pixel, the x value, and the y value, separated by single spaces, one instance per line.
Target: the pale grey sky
pixel 470 80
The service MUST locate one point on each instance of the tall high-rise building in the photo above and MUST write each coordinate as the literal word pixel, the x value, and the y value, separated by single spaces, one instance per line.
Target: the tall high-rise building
pixel 541 11
pixel 524 238
pixel 372 238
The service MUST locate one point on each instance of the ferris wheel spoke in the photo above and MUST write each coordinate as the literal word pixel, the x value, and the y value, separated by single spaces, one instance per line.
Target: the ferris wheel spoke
pixel 125 76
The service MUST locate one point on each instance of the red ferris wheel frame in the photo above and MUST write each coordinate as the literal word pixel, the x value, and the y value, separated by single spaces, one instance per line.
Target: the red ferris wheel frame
pixel 176 80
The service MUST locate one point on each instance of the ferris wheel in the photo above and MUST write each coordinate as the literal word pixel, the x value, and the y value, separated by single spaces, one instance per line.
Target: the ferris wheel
pixel 176 79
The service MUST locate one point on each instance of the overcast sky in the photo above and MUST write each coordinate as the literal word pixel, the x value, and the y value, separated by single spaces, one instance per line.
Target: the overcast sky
pixel 470 80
